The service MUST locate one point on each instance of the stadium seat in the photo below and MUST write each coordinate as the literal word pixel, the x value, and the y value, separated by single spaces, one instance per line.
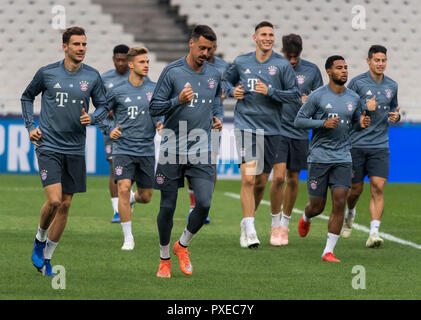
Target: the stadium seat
pixel 29 41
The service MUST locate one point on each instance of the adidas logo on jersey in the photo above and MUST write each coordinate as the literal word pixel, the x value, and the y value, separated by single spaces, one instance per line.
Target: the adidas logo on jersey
pixel 247 71
pixel 128 100
pixel 328 106
pixel 369 93
pixel 57 86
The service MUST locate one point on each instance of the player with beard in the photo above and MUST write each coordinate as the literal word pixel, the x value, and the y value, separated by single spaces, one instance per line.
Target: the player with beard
pixel 188 94
pixel 332 111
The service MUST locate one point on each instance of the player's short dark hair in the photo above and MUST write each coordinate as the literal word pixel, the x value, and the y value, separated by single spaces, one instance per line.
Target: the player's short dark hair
pixel 263 24
pixel 376 49
pixel 292 44
pixel 121 48
pixel 72 31
pixel 331 60
pixel 204 31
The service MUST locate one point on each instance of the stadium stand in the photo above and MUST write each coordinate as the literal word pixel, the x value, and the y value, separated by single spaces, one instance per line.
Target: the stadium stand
pixel 29 41
pixel 326 27
pixel 151 22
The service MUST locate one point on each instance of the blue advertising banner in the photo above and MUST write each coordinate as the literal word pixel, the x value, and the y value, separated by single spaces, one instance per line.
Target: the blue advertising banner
pixel 17 153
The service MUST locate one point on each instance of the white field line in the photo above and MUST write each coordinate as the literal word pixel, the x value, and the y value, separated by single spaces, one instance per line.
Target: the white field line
pixel 354 225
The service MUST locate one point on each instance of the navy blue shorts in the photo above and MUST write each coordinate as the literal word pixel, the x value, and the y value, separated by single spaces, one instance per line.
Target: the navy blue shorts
pixel 134 168
pixel 294 153
pixel 170 177
pixel 265 149
pixel 320 176
pixel 67 169
pixel 371 162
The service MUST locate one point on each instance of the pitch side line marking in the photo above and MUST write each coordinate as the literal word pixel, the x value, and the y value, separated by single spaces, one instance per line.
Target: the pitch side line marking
pixel 354 225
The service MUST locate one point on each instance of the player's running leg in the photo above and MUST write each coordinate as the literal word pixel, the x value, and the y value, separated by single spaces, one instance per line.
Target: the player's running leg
pixel 290 195
pixel 48 211
pixel 56 231
pixel 114 194
pixel 165 224
pixel 276 196
pixel 248 236
pixel 203 190
pixel 352 199
pixel 376 211
pixel 124 189
pixel 335 223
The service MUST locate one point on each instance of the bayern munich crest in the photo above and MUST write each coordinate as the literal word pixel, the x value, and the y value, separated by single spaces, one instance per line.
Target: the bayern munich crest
pixel 119 171
pixel 272 70
pixel 350 107
pixel 211 83
pixel 149 96
pixel 300 79
pixel 313 184
pixel 44 174
pixel 388 93
pixel 160 178
pixel 83 85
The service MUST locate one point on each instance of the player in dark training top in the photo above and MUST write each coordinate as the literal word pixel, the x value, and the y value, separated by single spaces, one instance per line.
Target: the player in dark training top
pixel 111 78
pixel 188 94
pixel 294 142
pixel 332 111
pixel 370 148
pixel 66 87
pixel 261 81
pixel 133 139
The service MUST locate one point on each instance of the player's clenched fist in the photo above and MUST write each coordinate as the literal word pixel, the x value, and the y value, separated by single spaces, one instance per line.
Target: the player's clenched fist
pixel 261 88
pixel 85 118
pixel 186 95
pixel 331 123
pixel 116 133
pixel 34 136
pixel 372 104
pixel 365 120
pixel 239 92
pixel 394 116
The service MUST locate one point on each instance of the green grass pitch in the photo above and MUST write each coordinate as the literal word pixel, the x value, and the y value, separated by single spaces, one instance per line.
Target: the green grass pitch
pixel 96 267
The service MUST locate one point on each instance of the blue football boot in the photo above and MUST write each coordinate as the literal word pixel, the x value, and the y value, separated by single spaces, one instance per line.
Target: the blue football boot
pixel 47 270
pixel 116 218
pixel 38 254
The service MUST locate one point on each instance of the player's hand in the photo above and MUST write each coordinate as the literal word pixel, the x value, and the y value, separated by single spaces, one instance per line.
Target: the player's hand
pixel 159 126
pixel 85 119
pixel 303 98
pixel 239 92
pixel 261 88
pixel 217 124
pixel 372 104
pixel 365 120
pixel 331 123
pixel 394 116
pixel 186 95
pixel 35 136
pixel 115 133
